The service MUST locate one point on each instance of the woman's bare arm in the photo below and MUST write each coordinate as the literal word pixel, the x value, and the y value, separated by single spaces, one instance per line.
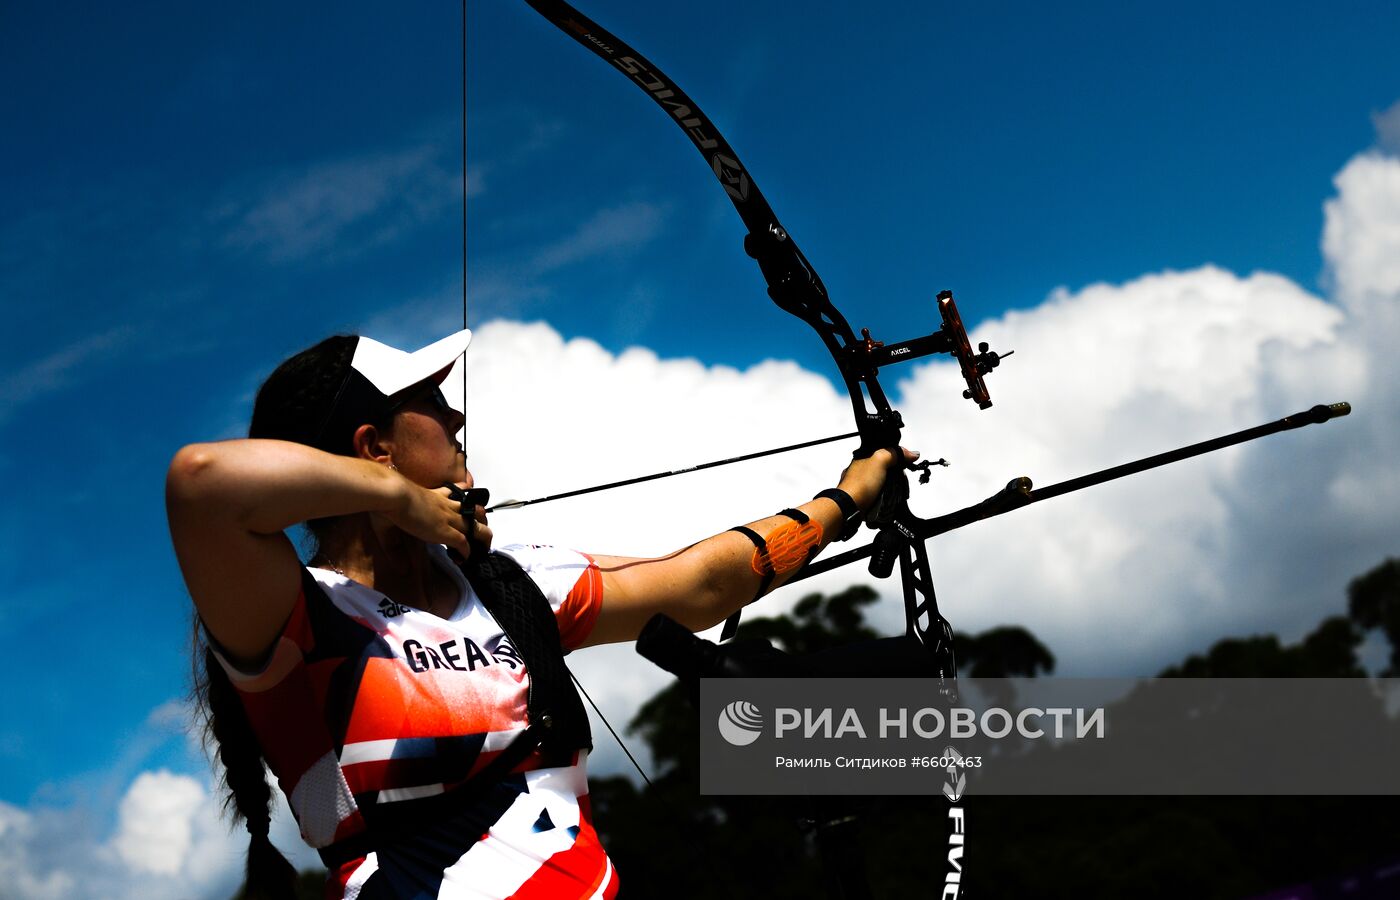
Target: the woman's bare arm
pixel 229 502
pixel 703 584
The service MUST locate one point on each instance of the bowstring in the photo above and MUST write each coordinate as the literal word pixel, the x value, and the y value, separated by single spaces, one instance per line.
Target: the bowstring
pixel 596 710
pixel 464 219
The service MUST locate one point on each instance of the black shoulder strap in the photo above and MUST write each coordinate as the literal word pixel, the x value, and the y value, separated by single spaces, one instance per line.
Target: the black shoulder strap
pixel 522 611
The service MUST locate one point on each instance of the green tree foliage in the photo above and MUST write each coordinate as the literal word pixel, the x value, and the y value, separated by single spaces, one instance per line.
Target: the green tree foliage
pixel 1373 601
pixel 1328 652
pixel 1006 652
pixel 818 622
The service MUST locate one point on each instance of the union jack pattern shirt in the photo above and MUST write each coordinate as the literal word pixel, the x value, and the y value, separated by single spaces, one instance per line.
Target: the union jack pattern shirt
pixel 365 704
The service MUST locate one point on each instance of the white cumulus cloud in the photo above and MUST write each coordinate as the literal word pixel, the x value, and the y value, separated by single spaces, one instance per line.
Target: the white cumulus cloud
pixel 1363 231
pixel 155 822
pixel 169 842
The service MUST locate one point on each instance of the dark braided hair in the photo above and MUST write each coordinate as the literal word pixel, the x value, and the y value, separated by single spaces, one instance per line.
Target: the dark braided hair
pixel 291 405
pixel 248 797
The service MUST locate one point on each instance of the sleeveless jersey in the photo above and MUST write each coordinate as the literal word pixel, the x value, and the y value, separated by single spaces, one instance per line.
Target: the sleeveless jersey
pixel 366 707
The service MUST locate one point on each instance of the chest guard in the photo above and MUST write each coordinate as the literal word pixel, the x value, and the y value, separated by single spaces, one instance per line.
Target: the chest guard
pixel 524 614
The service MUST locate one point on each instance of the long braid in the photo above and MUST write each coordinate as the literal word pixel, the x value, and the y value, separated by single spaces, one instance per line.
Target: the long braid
pixel 289 402
pixel 248 796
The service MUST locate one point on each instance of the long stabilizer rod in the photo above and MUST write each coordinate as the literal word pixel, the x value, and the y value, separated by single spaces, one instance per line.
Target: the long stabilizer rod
pixel 517 504
pixel 1018 492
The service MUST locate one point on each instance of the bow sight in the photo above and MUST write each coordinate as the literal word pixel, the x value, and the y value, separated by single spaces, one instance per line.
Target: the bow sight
pixel 951 337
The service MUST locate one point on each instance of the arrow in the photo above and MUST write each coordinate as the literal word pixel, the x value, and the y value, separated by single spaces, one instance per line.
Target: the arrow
pixel 517 504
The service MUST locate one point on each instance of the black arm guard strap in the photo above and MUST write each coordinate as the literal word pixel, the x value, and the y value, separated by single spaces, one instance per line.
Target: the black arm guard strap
pixel 731 624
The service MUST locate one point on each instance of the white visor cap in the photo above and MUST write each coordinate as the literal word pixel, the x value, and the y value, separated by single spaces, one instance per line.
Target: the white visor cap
pixel 391 370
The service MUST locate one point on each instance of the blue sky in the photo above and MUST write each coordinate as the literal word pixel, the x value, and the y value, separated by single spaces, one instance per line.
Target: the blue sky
pixel 190 193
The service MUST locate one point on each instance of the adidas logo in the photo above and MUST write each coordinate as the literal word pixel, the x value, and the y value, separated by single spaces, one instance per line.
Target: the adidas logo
pixel 391 610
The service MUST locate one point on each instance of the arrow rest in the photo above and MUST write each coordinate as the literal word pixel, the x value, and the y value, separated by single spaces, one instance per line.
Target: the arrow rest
pixel 925 468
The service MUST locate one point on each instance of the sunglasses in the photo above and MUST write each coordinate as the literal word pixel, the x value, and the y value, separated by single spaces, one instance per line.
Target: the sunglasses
pixel 434 396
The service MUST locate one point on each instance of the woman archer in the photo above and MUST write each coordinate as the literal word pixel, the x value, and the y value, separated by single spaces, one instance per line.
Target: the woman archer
pixel 406 686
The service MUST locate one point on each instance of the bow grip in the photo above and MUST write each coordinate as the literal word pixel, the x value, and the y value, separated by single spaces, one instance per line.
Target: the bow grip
pixel 884 515
pixel 885 551
pixel 879 431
